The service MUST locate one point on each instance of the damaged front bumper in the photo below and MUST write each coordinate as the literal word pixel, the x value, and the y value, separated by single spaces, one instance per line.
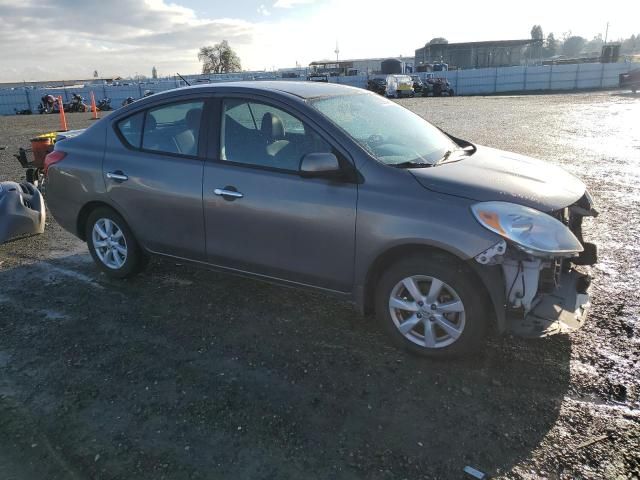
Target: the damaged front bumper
pixel 22 211
pixel 545 295
pixel 562 310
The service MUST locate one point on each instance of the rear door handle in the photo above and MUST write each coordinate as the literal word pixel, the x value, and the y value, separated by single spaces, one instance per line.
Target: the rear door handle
pixel 228 194
pixel 118 176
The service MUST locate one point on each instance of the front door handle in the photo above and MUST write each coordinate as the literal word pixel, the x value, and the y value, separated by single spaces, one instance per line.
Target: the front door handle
pixel 118 176
pixel 227 193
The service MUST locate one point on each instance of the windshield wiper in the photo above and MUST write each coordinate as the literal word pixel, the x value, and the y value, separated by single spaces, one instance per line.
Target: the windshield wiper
pixel 448 154
pixel 411 164
pixel 444 158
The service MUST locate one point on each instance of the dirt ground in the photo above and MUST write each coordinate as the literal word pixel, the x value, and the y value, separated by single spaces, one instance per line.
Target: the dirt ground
pixel 182 373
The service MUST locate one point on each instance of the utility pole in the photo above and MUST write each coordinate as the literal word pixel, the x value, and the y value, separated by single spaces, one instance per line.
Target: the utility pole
pixel 606 34
pixel 337 52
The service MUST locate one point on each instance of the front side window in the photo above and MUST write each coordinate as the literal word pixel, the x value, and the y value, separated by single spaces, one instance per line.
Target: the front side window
pixel 390 133
pixel 173 128
pixel 258 134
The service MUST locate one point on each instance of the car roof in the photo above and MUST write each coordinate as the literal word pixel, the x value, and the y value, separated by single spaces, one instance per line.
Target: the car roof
pixel 300 89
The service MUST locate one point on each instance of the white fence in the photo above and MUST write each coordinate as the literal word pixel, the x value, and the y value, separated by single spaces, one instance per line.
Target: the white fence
pixel 464 82
pixel 536 78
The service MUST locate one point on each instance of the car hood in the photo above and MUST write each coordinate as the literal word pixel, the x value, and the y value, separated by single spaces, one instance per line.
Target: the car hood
pixel 491 174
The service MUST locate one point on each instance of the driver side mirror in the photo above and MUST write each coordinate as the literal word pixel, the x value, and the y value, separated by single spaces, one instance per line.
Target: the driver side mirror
pixel 323 165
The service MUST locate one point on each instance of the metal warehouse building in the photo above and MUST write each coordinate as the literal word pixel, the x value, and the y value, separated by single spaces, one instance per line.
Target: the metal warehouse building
pixel 499 53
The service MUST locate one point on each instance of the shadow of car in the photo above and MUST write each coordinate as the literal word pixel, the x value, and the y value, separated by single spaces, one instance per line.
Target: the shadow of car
pixel 234 368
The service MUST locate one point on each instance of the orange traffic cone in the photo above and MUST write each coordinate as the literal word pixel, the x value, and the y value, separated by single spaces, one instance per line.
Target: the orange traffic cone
pixel 94 109
pixel 63 119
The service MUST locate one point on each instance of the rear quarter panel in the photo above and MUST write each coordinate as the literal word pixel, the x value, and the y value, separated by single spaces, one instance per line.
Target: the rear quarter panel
pixel 77 179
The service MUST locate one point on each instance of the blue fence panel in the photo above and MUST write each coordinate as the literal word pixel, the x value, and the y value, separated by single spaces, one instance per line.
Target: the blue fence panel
pixel 464 82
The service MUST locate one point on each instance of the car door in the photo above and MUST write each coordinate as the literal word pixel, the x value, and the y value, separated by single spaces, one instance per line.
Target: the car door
pixel 261 216
pixel 153 174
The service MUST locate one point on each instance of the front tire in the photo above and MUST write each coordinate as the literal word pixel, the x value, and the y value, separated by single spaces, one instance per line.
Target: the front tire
pixel 112 245
pixel 431 305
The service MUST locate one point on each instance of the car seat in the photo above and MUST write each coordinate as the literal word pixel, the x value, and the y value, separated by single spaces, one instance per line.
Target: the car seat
pixel 274 133
pixel 187 140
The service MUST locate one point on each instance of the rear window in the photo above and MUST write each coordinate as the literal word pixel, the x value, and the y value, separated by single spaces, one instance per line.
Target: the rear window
pixel 173 128
pixel 131 129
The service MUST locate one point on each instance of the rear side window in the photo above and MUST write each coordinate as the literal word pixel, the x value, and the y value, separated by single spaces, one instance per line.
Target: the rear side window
pixel 131 129
pixel 173 128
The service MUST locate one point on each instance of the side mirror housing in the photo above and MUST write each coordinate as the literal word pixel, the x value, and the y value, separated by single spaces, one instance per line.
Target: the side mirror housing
pixel 320 165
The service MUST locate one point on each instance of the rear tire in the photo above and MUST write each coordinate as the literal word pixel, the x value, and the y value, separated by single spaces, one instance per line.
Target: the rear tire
pixel 450 306
pixel 112 245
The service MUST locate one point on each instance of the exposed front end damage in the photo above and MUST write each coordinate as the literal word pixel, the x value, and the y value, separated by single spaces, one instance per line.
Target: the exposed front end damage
pixel 22 211
pixel 546 294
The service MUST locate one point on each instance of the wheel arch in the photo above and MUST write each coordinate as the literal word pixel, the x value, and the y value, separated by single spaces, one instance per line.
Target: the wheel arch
pixel 85 211
pixel 494 299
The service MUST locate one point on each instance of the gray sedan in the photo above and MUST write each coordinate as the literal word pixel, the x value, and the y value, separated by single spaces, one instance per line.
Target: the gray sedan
pixel 337 189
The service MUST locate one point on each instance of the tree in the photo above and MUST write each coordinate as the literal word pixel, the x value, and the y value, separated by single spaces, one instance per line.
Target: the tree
pixel 536 33
pixel 631 44
pixel 154 72
pixel 551 46
pixel 573 45
pixel 438 40
pixel 219 59
pixel 95 74
pixel 535 49
pixel 594 45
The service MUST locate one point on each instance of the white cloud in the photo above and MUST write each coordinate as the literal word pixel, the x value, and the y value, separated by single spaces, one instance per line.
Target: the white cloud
pixel 123 37
pixel 291 3
pixel 262 9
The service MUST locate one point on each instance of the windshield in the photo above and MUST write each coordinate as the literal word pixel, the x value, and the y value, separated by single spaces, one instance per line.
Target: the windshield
pixel 390 133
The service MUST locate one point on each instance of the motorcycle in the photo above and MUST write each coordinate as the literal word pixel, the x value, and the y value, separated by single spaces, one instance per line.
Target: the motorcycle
pixel 127 101
pixel 77 104
pixel 104 104
pixel 48 104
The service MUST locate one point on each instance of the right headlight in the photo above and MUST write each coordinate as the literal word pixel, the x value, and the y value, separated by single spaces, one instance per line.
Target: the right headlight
pixel 533 231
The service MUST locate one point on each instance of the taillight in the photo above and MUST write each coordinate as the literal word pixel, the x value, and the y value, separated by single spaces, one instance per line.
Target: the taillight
pixel 53 157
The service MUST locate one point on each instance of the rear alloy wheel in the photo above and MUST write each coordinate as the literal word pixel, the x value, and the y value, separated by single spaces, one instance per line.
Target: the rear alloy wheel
pixel 431 306
pixel 112 245
pixel 109 243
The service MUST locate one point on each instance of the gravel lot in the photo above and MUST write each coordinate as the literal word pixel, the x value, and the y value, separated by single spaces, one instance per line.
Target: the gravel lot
pixel 183 373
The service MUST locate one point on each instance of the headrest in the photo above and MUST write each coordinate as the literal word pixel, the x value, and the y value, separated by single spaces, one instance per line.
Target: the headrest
pixel 272 127
pixel 192 118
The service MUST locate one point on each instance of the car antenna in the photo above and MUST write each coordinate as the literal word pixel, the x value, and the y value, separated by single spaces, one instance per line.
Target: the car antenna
pixel 183 79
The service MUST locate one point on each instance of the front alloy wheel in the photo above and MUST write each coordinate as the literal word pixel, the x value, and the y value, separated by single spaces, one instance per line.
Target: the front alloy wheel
pixel 432 304
pixel 427 311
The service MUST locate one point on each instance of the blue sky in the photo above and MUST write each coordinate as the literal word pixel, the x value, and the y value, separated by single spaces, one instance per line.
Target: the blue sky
pixel 72 38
